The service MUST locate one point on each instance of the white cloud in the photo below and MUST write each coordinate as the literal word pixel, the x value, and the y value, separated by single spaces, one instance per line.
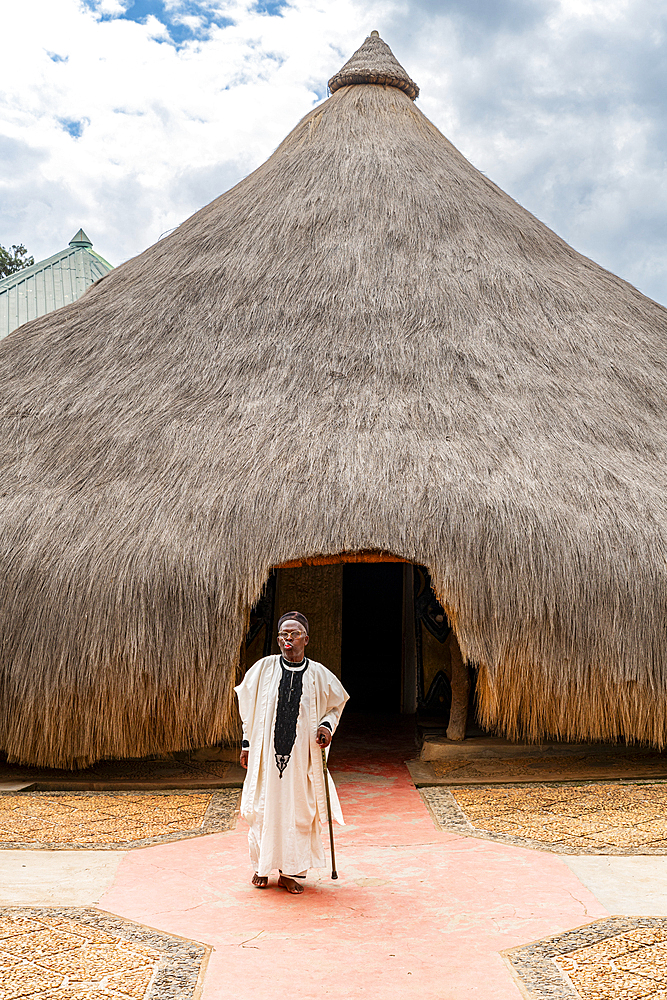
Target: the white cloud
pixel 566 112
pixel 149 113
pixel 561 102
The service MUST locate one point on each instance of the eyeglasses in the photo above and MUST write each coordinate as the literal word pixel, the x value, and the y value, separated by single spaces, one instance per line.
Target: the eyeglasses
pixel 290 635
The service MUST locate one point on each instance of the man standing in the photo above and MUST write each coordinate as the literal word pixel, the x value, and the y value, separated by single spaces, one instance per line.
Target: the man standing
pixel 290 707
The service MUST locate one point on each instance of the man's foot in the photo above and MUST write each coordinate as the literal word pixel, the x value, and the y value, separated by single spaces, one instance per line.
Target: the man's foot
pixel 290 884
pixel 260 881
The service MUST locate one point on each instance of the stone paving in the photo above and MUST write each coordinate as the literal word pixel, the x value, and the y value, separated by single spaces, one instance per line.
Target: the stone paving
pixel 592 818
pixel 111 820
pixel 82 954
pixel 421 910
pixel 616 959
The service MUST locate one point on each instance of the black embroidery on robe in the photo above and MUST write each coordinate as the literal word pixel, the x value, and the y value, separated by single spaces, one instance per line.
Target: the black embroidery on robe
pixel 287 713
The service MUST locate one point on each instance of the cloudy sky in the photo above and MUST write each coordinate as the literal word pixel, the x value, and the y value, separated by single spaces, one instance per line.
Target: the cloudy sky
pixel 125 117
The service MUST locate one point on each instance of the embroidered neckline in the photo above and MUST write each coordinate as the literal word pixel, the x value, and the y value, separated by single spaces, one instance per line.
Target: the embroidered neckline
pixel 293 666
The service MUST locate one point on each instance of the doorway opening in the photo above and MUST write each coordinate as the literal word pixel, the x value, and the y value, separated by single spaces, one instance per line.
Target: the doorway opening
pixel 372 636
pixel 376 623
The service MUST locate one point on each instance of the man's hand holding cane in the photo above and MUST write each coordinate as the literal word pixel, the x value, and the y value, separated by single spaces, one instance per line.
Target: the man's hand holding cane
pixel 323 736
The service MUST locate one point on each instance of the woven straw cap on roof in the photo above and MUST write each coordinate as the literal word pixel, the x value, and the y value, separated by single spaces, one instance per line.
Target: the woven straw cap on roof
pixel 374 62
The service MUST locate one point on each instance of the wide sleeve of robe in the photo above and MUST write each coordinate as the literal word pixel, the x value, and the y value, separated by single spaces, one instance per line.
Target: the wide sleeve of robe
pixel 247 694
pixel 333 697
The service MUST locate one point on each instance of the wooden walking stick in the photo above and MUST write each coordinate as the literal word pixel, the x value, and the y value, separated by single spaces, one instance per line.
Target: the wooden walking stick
pixel 334 873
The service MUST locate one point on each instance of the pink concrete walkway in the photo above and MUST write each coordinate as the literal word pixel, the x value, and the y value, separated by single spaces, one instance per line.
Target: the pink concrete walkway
pixel 415 913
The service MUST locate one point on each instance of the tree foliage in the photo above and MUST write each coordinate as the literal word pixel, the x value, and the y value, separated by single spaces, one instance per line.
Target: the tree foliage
pixel 13 259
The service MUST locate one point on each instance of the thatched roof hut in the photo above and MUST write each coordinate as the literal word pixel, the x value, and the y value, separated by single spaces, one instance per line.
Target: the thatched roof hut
pixel 364 345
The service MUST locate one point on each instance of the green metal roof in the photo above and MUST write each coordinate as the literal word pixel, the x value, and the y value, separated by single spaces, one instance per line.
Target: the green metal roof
pixel 50 283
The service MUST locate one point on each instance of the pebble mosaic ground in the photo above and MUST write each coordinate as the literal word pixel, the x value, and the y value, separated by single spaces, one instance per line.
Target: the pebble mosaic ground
pixel 622 958
pixel 593 818
pixel 112 820
pixel 201 891
pixel 76 953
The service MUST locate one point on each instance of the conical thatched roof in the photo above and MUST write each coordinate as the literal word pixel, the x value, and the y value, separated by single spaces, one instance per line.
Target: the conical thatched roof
pixel 374 62
pixel 363 345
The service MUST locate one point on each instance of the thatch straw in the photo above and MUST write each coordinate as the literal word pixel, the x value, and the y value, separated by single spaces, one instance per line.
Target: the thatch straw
pixel 374 62
pixel 364 345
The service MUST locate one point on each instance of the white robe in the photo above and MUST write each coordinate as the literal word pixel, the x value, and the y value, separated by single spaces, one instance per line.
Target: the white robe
pixel 284 814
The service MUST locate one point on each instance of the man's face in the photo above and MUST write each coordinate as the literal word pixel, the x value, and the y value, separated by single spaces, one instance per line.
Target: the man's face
pixel 292 640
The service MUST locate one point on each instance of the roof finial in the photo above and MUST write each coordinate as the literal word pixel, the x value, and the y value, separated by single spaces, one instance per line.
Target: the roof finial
pixel 81 241
pixel 374 62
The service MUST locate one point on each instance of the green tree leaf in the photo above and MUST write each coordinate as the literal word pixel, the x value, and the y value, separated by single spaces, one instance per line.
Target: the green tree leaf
pixel 13 259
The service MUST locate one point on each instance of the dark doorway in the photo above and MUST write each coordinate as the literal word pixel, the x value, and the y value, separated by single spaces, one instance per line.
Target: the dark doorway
pixel 371 657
